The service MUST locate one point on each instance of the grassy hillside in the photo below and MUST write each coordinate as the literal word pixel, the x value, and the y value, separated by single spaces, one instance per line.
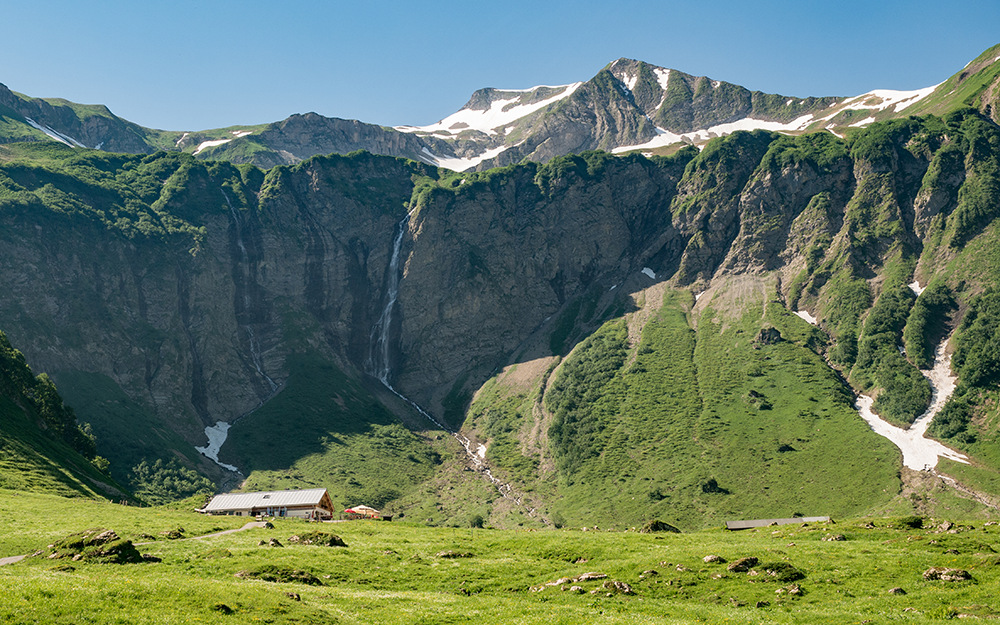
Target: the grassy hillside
pixel 325 429
pixel 42 447
pixel 739 416
pixel 401 573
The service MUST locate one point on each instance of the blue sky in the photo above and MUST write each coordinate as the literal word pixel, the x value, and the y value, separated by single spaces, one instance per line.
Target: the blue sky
pixel 196 64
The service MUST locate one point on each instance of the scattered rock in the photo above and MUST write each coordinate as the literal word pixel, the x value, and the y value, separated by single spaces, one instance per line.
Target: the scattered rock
pixel 104 537
pixel 294 538
pixel 450 553
pixel 324 539
pixel 944 527
pixel 952 551
pixel 794 590
pixel 658 526
pixel 283 574
pixel 294 596
pixel 268 525
pixel 710 559
pixel 274 543
pixel 767 336
pixel 897 591
pixel 261 543
pixel 173 534
pixel 588 577
pixel 743 565
pixel 649 573
pixel 577 589
pixel 761 604
pixel 580 561
pixel 782 572
pixel 946 575
pixel 617 587
pixel 835 538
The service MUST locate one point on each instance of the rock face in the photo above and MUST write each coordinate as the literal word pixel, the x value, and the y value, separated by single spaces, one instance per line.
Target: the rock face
pixel 180 292
pixel 95 127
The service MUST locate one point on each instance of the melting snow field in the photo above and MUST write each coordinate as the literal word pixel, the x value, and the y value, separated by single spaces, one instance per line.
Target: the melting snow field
pixel 665 137
pixel 919 452
pixel 915 287
pixel 216 437
pixel 649 272
pixel 500 113
pixel 804 314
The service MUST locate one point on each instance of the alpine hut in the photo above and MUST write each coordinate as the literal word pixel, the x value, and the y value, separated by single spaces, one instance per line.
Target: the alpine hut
pixel 314 504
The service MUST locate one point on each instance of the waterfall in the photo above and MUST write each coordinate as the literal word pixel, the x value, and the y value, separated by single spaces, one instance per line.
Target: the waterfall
pixel 252 340
pixel 378 360
pixel 378 366
pixel 218 433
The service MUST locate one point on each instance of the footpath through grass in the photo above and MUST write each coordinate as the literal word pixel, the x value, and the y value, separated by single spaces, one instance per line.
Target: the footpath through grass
pixel 402 573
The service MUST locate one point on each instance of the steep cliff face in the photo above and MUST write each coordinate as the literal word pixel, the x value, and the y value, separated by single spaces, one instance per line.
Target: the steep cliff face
pixel 174 293
pixel 494 257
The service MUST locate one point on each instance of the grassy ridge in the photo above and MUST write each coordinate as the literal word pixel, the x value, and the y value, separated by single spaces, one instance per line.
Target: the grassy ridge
pixel 392 573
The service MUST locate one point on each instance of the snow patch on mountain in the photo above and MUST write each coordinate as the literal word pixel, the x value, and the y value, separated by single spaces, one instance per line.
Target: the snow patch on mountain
pixel 461 164
pixel 805 316
pixel 58 136
pixel 919 452
pixel 204 145
pixel 665 137
pixel 884 99
pixel 662 77
pixel 499 114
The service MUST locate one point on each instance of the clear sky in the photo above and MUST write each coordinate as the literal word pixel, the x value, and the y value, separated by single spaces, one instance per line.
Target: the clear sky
pixel 199 64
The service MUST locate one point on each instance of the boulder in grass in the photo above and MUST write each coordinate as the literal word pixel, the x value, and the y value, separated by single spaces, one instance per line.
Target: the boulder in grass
pixel 283 574
pixel 713 559
pixel 323 539
pixel 451 553
pixel 946 575
pixel 743 565
pixel 658 526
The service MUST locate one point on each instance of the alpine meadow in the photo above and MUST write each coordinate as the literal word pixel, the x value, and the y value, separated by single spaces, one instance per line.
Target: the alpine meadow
pixel 559 338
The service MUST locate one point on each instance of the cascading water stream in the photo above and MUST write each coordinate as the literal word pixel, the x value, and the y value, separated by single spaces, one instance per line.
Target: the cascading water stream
pixel 245 269
pixel 218 433
pixel 378 366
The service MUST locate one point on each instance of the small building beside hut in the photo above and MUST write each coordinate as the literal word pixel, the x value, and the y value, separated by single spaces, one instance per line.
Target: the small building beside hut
pixel 363 512
pixel 313 504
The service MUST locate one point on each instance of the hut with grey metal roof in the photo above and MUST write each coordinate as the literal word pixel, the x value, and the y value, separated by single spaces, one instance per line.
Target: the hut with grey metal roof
pixel 314 504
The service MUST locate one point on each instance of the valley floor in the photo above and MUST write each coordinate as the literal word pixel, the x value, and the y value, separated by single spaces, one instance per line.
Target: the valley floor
pixel 400 573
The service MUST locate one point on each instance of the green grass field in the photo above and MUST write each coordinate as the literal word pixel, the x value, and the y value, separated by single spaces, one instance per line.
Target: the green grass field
pixel 393 573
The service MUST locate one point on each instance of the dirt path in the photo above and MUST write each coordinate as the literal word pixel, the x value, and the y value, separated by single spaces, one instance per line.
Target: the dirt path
pixel 249 526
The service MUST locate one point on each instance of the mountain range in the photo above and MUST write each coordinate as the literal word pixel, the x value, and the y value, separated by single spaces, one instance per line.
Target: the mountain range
pixel 628 105
pixel 612 318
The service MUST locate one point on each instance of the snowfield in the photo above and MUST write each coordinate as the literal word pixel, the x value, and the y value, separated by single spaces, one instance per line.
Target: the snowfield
pixel 204 145
pixel 664 138
pixel 919 452
pixel 217 435
pixel 501 113
pixel 804 314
